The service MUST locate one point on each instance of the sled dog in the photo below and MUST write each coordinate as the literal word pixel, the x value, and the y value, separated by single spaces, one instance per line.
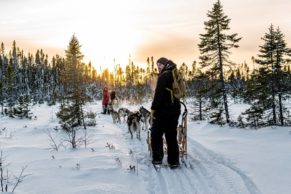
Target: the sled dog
pixel 133 123
pixel 115 116
pixel 145 117
pixel 123 113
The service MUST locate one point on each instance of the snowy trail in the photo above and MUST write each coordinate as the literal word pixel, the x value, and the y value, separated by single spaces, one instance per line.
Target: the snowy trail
pixel 104 166
pixel 220 174
pixel 209 172
pixel 233 178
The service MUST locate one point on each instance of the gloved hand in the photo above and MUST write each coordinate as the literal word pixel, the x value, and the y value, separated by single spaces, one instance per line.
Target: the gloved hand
pixel 153 114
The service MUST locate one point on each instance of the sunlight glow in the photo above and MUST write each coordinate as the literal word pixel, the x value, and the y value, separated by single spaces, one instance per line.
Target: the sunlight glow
pixel 111 37
pixel 112 31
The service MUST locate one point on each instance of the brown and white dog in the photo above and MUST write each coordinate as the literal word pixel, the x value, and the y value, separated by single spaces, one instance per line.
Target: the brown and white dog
pixel 133 123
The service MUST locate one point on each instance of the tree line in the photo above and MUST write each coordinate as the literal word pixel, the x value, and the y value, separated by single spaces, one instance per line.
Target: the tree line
pixel 214 81
pixel 266 89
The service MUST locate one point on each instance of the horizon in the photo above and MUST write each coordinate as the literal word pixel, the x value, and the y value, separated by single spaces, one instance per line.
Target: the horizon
pixel 136 29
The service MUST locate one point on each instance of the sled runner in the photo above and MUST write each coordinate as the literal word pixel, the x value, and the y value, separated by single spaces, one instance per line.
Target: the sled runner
pixel 182 133
pixel 181 136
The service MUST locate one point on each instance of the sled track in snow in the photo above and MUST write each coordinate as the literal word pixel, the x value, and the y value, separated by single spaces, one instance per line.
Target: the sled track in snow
pixel 211 173
pixel 157 182
pixel 220 174
pixel 166 181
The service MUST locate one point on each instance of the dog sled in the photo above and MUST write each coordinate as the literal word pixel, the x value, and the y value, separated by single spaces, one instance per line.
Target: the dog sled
pixel 181 136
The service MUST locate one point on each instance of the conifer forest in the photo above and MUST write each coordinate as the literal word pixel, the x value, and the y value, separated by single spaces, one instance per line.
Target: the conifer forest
pixel 212 83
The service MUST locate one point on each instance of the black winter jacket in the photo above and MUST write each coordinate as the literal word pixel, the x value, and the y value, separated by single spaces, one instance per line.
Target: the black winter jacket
pixel 163 98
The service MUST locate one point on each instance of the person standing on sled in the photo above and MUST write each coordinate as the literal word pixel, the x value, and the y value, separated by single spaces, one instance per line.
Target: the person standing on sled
pixel 105 100
pixel 165 112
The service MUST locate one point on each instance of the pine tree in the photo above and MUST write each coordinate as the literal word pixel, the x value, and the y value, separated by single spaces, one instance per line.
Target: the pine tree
pixel 236 84
pixel 56 84
pixel 2 67
pixel 71 111
pixel 257 90
pixel 281 77
pixel 216 118
pixel 22 109
pixel 199 88
pixel 271 59
pixel 10 89
pixel 255 116
pixel 129 73
pixel 214 48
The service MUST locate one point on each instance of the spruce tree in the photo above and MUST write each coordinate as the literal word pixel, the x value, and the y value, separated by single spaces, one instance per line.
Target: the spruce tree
pixel 215 47
pixel 281 77
pixel 257 91
pixel 22 109
pixel 254 116
pixel 200 85
pixel 2 78
pixel 236 84
pixel 71 111
pixel 10 89
pixel 271 59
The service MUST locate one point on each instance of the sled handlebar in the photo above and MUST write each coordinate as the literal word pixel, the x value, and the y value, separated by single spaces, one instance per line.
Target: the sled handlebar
pixel 185 109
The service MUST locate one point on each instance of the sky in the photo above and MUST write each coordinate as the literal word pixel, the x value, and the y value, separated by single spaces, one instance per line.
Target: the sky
pixel 116 31
pixel 220 160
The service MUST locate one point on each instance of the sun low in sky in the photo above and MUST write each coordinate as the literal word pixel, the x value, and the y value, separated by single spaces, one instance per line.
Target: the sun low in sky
pixel 114 31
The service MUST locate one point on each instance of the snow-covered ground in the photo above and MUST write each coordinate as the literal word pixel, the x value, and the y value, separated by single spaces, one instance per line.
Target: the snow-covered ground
pixel 221 160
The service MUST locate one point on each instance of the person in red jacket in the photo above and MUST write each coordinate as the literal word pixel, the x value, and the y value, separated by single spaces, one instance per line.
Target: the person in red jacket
pixel 105 100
